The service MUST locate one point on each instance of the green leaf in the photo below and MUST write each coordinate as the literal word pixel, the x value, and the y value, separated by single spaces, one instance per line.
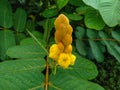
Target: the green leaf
pixel 65 81
pixel 112 50
pixel 49 24
pixel 101 46
pixel 47 13
pixel 96 51
pixel 21 74
pixel 81 47
pixel 37 34
pixel 7 39
pixel 74 17
pixel 61 3
pixel 5 14
pixel 30 25
pixel 110 11
pixel 38 42
pixel 92 34
pixel 93 20
pixel 76 2
pixel 31 41
pixel 90 53
pixel 93 3
pixel 80 32
pixel 82 9
pixel 84 68
pixel 20 20
pixel 117 47
pixel 19 37
pixel 116 35
pixel 26 51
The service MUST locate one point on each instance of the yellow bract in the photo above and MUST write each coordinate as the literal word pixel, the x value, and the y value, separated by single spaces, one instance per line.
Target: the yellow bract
pixel 61 52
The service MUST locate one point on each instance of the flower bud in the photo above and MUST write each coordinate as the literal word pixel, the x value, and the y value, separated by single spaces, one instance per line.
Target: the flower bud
pixel 60 46
pixel 61 19
pixel 67 39
pixel 68 49
pixel 69 29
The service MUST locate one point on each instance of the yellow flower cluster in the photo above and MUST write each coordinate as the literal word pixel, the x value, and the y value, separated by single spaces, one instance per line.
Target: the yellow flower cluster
pixel 61 52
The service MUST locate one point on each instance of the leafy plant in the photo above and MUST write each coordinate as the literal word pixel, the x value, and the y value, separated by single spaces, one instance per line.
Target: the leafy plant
pixel 26 34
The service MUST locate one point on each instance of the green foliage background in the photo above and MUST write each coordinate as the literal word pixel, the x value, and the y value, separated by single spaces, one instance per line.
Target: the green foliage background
pixel 27 31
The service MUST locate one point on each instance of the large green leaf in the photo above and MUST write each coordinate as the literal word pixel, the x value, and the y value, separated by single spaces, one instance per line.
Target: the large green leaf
pixel 20 19
pixel 65 81
pixel 7 39
pixel 112 50
pixel 109 10
pixel 61 3
pixel 21 74
pixel 31 41
pixel 93 3
pixel 96 50
pixel 83 68
pixel 26 51
pixel 93 20
pixel 5 14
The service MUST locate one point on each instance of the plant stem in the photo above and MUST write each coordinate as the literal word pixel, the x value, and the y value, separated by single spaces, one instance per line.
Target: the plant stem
pixel 47 75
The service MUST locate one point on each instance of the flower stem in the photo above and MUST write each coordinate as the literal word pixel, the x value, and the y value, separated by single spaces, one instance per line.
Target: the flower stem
pixel 47 75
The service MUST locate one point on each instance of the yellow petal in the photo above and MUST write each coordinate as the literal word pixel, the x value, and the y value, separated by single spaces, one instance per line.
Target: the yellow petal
pixel 54 52
pixel 72 59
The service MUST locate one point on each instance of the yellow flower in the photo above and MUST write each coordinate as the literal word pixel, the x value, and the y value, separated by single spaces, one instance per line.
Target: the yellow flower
pixel 54 52
pixel 64 60
pixel 72 59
